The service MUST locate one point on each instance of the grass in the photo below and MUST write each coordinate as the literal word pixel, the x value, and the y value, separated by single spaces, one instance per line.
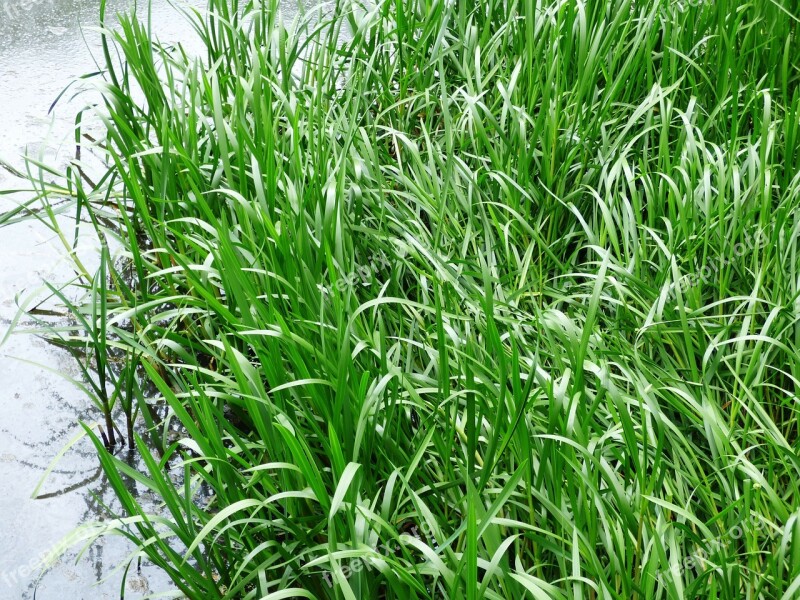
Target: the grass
pixel 449 299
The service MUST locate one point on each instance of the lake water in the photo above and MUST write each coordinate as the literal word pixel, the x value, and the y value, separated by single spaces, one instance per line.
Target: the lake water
pixel 44 44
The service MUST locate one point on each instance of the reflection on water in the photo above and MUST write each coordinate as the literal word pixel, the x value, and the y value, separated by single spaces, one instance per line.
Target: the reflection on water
pixel 39 414
pixel 44 44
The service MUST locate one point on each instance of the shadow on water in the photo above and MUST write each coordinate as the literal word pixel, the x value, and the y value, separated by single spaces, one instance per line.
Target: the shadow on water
pixel 44 44
pixel 39 415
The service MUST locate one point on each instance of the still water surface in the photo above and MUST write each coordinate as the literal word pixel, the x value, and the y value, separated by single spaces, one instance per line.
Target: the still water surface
pixel 45 44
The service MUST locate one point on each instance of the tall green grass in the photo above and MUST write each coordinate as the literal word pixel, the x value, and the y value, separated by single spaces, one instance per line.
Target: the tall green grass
pixel 453 299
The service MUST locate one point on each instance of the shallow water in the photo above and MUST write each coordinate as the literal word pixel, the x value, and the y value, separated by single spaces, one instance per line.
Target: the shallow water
pixel 44 44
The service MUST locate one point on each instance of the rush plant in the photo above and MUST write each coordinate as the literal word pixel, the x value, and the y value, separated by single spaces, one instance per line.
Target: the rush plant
pixel 563 368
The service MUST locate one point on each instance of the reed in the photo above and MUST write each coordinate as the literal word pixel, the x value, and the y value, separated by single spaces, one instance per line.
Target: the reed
pixel 452 299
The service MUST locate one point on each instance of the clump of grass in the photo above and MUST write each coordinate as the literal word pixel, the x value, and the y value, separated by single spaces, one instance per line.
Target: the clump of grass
pixel 464 300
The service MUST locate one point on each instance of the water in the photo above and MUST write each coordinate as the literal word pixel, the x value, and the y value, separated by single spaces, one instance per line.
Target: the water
pixel 44 44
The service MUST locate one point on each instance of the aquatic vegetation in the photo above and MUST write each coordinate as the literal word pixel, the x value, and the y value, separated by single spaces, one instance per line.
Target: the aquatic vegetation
pixel 452 299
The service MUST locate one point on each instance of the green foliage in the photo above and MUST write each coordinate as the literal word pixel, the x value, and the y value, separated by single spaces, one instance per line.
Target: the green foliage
pixel 457 299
